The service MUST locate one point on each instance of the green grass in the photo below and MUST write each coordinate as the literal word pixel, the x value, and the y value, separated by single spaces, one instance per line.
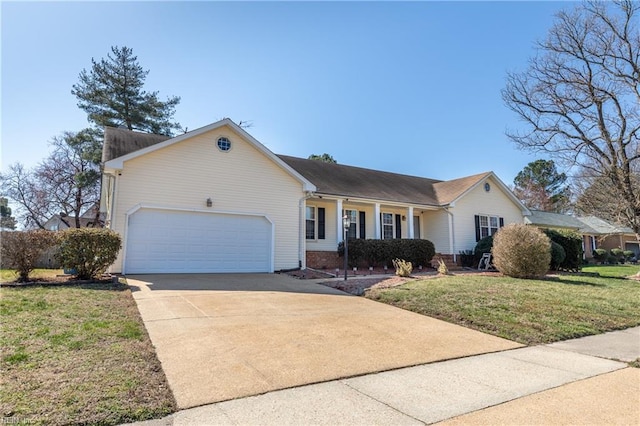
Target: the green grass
pixel 619 271
pixel 525 311
pixel 10 275
pixel 77 355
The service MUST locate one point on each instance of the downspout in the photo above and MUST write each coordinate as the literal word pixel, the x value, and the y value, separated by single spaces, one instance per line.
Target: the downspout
pixel 452 239
pixel 302 255
pixel 110 202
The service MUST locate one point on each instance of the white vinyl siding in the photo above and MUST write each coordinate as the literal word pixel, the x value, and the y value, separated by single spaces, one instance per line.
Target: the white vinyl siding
pixel 241 180
pixel 436 229
pixel 479 202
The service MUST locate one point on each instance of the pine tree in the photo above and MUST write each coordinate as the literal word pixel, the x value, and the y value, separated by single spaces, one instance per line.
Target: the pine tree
pixel 325 158
pixel 7 221
pixel 112 94
pixel 539 186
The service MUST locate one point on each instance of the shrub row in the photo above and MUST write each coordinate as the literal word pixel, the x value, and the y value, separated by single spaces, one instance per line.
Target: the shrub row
pixel 88 251
pixel 614 256
pixel 378 253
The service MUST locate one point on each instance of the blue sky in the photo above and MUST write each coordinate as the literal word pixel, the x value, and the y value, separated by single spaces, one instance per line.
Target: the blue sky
pixel 407 87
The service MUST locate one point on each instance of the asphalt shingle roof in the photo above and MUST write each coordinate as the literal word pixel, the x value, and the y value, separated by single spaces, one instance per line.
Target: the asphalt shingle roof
pixel 554 220
pixel 119 142
pixel 600 226
pixel 349 181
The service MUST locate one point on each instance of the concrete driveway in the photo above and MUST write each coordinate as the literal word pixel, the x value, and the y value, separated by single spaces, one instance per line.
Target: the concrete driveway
pixel 222 337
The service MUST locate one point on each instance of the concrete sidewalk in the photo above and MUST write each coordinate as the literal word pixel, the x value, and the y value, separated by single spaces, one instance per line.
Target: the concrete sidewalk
pixel 533 385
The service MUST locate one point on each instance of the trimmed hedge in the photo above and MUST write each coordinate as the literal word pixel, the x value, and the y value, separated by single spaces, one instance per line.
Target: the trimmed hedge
pixel 571 242
pixel 382 252
pixel 600 255
pixel 557 255
pixel 89 251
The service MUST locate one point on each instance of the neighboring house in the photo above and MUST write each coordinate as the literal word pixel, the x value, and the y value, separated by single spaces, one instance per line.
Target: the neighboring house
pixel 560 221
pixel 596 233
pixel 217 200
pixel 58 222
pixel 610 236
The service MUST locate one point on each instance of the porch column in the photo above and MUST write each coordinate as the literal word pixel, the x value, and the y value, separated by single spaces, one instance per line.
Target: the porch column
pixel 339 232
pixel 410 222
pixel 376 220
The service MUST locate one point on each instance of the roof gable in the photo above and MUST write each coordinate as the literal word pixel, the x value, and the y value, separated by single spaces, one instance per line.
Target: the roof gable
pixel 117 163
pixel 449 191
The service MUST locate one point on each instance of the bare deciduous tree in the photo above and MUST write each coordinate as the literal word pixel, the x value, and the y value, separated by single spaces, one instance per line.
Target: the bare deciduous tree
pixel 580 98
pixel 66 182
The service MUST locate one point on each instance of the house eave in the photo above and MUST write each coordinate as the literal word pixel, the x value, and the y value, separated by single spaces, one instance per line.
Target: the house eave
pixel 365 200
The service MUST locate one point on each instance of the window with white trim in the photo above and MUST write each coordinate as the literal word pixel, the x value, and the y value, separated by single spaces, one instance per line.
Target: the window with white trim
pixel 352 233
pixel 310 218
pixel 388 226
pixel 489 225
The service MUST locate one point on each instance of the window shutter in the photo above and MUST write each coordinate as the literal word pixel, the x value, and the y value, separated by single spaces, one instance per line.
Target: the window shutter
pixel 477 228
pixel 321 233
pixel 381 228
pixel 398 226
pixel 363 226
pixel 501 222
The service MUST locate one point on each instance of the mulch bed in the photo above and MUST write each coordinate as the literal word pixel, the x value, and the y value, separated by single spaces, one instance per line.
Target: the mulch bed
pixel 357 286
pixel 57 281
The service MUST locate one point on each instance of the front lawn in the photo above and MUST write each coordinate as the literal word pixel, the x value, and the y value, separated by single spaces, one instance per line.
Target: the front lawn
pixel 619 271
pixel 10 275
pixel 77 355
pixel 525 311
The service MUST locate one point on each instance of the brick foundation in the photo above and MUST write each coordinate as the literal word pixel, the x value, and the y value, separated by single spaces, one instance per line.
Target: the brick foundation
pixel 324 260
pixel 448 260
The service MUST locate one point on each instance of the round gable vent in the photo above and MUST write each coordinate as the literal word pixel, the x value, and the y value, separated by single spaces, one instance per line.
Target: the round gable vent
pixel 224 144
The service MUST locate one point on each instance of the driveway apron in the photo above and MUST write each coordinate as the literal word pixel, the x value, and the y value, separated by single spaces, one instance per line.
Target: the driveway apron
pixel 222 337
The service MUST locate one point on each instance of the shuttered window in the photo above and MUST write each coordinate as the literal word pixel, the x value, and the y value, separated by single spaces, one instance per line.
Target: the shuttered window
pixel 487 225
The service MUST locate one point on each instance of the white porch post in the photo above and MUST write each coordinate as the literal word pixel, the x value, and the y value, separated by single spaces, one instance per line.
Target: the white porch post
pixel 376 217
pixel 451 236
pixel 410 222
pixel 339 233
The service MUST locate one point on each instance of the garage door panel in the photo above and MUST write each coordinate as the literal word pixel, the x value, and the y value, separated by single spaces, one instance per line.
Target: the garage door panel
pixel 172 241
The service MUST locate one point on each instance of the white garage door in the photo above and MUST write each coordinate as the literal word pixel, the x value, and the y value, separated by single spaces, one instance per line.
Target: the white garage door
pixel 163 241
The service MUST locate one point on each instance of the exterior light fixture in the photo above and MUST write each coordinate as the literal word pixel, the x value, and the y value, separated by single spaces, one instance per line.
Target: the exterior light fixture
pixel 209 202
pixel 346 224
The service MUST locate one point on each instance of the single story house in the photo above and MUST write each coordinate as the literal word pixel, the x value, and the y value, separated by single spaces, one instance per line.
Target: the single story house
pixel 216 200
pixel 609 236
pixel 596 233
